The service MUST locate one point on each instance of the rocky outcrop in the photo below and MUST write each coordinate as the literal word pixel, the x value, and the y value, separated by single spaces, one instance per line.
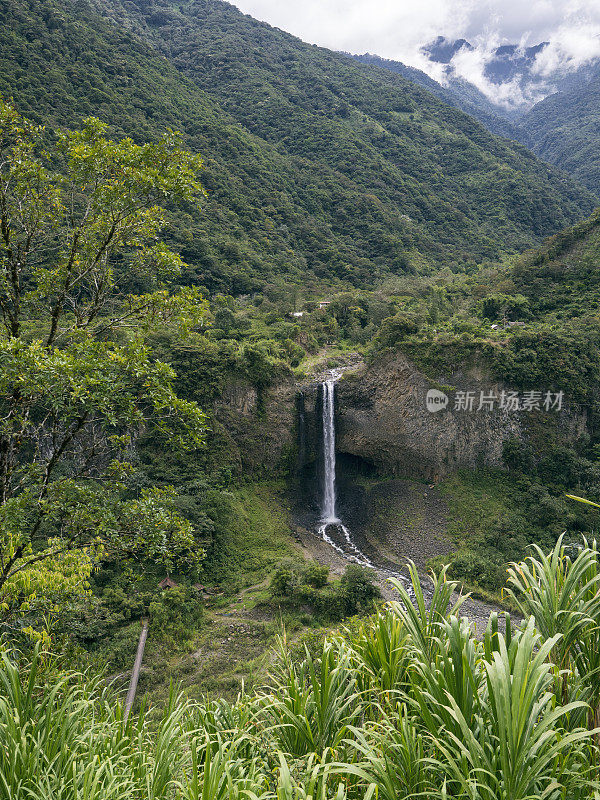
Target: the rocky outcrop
pixel 383 419
pixel 262 426
pixel 382 416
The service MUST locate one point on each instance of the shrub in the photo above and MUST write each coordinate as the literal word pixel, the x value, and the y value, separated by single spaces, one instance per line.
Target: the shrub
pixel 316 574
pixel 285 580
pixel 517 455
pixel 359 589
pixel 477 570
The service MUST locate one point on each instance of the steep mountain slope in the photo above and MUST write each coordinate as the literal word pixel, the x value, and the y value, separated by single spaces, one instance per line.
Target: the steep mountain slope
pixel 318 169
pixel 565 130
pixel 543 308
pixel 561 279
pixel 466 97
pixel 401 147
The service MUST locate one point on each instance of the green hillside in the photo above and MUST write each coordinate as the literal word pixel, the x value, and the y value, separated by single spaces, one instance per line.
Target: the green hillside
pixel 561 279
pixel 534 321
pixel 565 130
pixel 461 95
pixel 387 135
pixel 319 170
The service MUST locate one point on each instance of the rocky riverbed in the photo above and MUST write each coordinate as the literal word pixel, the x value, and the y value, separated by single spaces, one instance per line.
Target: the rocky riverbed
pixel 401 521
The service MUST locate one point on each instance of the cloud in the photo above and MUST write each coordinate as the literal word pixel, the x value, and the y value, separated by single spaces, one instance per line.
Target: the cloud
pixel 570 48
pixel 398 29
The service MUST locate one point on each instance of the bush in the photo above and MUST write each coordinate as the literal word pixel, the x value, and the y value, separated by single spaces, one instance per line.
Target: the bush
pixel 327 602
pixel 354 593
pixel 285 580
pixel 175 613
pixel 316 574
pixel 359 589
pixel 518 456
pixel 478 570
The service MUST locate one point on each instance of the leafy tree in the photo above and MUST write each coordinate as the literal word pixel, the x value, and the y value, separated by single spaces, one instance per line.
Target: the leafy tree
pixel 395 329
pixel 500 306
pixel 77 382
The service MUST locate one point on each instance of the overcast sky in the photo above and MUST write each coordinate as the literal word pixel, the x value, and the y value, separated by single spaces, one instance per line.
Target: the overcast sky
pixel 397 29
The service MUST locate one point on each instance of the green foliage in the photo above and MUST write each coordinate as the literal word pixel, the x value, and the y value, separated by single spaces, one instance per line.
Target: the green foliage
pixel 394 330
pixel 250 536
pixel 354 593
pixel 174 614
pixel 413 703
pixel 518 455
pixel 478 569
pixel 359 589
pixel 315 170
pixel 312 703
pixel 316 574
pixel 561 594
pixel 495 516
pixel 506 307
pixel 285 580
pixel 76 387
pixel 561 129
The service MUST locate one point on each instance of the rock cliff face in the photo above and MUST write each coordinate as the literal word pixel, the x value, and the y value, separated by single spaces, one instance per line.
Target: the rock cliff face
pixel 262 428
pixel 383 419
pixel 382 416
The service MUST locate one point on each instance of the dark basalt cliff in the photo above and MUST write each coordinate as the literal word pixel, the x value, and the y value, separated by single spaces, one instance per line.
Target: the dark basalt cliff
pixel 262 427
pixel 382 419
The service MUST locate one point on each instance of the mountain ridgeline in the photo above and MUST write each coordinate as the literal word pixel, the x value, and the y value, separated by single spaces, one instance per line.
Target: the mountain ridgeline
pixel 562 129
pixel 319 170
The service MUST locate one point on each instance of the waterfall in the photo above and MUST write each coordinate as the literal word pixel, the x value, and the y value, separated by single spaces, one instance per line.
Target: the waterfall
pixel 328 516
pixel 331 528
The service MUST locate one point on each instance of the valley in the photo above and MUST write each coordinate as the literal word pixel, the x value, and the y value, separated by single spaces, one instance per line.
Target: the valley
pixel 300 375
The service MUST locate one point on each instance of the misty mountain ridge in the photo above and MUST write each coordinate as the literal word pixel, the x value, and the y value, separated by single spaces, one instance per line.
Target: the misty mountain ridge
pixel 509 61
pixel 562 127
pixel 512 80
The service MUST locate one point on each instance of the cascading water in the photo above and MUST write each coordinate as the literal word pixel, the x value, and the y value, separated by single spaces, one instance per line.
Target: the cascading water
pixel 331 528
pixel 329 516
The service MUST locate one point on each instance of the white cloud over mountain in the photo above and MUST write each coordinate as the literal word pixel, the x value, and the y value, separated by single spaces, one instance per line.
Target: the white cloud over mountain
pixel 398 29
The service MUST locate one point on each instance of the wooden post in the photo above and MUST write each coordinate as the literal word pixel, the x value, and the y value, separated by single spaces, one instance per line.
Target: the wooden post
pixel 136 669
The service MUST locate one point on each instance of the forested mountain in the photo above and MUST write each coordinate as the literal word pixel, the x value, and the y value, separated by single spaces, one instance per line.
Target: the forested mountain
pixel 390 138
pixel 462 95
pixel 543 306
pixel 565 130
pixel 318 169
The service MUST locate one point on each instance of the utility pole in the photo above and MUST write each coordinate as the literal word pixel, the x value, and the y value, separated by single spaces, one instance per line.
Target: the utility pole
pixel 136 669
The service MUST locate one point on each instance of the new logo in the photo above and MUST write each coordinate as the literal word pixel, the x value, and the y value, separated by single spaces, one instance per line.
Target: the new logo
pixel 436 400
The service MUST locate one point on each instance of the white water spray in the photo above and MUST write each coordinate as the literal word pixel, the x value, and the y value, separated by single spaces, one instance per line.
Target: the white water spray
pixel 331 528
pixel 328 516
